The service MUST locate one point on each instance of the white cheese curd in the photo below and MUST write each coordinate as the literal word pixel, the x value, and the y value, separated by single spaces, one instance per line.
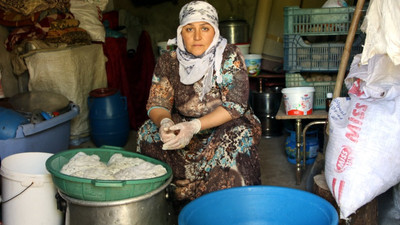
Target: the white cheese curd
pixel 141 171
pixel 118 167
pixel 81 162
pixel 118 162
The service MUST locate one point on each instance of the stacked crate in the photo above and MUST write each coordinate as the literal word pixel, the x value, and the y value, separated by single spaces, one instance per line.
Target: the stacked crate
pixel 325 57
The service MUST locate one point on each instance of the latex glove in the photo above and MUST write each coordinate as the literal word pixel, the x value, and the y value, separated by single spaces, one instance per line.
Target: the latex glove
pixel 186 132
pixel 165 133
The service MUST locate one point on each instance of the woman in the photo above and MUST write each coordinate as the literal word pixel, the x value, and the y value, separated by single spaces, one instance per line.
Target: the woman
pixel 200 122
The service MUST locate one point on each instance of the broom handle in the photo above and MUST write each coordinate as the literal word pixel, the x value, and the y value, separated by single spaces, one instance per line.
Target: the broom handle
pixel 347 48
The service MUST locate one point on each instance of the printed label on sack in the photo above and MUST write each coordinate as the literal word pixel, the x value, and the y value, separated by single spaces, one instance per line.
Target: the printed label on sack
pixel 344 159
pixel 355 122
pixel 337 190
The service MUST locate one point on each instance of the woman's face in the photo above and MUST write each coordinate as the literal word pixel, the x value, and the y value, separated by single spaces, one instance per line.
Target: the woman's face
pixel 197 37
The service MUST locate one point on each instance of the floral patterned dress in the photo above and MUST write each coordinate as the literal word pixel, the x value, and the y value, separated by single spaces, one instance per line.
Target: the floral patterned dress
pixel 218 158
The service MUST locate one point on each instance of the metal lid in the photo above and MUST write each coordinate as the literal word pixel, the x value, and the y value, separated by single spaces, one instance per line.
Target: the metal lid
pixel 39 100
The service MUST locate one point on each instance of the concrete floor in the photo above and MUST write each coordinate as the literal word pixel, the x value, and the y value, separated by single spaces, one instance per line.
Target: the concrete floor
pixel 277 171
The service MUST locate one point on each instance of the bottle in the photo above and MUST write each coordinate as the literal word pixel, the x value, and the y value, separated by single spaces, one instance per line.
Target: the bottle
pixel 328 100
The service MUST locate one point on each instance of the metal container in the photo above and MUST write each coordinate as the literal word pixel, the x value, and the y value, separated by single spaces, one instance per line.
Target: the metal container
pixel 234 30
pixel 268 101
pixel 152 208
pixel 266 105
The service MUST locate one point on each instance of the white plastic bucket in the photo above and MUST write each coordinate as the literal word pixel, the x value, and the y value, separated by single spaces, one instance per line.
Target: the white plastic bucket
pixel 164 47
pixel 28 192
pixel 253 64
pixel 298 100
pixel 244 48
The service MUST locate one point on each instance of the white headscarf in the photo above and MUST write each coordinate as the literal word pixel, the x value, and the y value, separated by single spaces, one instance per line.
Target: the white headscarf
pixel 193 68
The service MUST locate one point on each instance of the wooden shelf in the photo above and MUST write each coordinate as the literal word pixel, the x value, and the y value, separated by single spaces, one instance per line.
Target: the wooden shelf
pixel 317 114
pixel 266 79
pixel 269 75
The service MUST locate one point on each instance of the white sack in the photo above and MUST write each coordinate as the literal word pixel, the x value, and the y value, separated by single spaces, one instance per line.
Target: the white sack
pixel 382 26
pixel 334 3
pixel 377 80
pixel 72 72
pixel 88 16
pixel 362 156
pixel 101 4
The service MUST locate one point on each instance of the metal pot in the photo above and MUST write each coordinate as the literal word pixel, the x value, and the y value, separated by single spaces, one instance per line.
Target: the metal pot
pixel 267 102
pixel 152 208
pixel 266 106
pixel 234 30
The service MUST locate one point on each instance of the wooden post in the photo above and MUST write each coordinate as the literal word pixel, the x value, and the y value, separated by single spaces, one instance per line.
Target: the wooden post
pixel 368 214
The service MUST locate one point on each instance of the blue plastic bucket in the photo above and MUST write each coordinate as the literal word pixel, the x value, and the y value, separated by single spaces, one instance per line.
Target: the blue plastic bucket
pixel 258 205
pixel 108 117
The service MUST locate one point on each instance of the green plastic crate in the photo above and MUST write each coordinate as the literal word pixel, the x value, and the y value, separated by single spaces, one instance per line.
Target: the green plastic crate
pixel 318 21
pixel 321 88
pixel 102 190
pixel 319 57
pixel 300 23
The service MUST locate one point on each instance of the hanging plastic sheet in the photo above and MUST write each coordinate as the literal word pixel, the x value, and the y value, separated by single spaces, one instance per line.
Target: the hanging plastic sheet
pixel 381 24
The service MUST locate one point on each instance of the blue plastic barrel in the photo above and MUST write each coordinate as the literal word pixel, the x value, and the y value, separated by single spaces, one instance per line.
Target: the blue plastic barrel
pixel 259 205
pixel 9 122
pixel 108 117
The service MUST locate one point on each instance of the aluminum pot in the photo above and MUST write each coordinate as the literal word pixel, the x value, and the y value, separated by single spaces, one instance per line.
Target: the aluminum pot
pixel 234 30
pixel 152 208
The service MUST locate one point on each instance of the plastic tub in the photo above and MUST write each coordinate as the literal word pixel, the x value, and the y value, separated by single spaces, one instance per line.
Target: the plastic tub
pixel 259 205
pixel 298 100
pixel 244 48
pixel 253 64
pixel 164 47
pixel 102 190
pixel 51 135
pixel 28 192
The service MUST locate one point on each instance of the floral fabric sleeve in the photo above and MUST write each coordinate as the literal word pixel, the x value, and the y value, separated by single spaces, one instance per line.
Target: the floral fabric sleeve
pixel 235 85
pixel 161 92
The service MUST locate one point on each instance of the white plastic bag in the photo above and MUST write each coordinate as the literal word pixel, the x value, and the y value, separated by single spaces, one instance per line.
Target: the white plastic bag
pixel 362 156
pixel 380 79
pixel 334 3
pixel 381 24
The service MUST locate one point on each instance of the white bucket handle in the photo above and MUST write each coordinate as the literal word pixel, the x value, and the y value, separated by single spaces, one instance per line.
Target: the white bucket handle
pixel 17 194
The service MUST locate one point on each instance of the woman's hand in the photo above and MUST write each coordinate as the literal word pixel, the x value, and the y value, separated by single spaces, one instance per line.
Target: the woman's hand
pixel 165 133
pixel 186 131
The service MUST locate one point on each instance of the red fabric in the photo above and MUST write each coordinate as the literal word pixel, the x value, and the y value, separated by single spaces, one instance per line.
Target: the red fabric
pixel 112 17
pixel 115 51
pixel 132 76
pixel 140 74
